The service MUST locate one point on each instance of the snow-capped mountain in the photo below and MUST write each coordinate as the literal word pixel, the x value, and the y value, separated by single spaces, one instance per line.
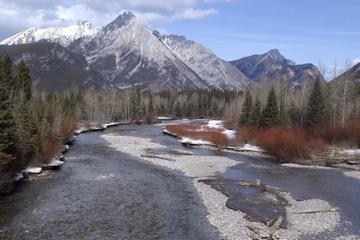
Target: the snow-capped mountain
pixel 126 52
pixel 61 35
pixel 272 66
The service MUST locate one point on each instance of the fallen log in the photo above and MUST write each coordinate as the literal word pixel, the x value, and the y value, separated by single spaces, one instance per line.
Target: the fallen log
pixel 316 211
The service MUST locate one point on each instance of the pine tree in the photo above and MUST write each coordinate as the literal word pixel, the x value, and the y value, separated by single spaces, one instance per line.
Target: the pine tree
pixel 270 115
pixel 256 114
pixel 246 110
pixel 6 121
pixel 316 110
pixel 23 80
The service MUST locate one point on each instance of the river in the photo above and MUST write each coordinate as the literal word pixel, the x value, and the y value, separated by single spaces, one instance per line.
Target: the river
pixel 101 193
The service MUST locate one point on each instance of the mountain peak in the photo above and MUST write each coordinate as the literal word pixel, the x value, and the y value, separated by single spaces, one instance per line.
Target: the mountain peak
pixel 275 51
pixel 275 54
pixel 122 20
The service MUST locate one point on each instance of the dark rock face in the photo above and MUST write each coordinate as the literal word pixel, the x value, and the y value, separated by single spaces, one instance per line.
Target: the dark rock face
pixel 272 66
pixel 53 67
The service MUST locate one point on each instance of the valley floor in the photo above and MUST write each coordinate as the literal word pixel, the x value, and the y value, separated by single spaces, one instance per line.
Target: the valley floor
pixel 132 182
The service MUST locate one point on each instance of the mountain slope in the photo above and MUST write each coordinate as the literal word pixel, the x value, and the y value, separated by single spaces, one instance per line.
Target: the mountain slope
pixel 61 35
pixel 272 66
pixel 215 71
pixel 352 78
pixel 53 67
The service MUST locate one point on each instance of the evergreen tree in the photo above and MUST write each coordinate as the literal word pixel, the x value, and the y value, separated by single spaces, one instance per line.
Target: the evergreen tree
pixel 6 121
pixel 316 110
pixel 23 80
pixel 246 110
pixel 256 114
pixel 270 115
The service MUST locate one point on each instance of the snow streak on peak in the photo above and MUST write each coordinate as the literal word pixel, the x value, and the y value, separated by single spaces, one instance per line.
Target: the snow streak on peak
pixel 61 35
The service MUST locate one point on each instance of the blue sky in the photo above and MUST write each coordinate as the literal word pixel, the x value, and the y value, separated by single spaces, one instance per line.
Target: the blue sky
pixel 316 31
pixel 304 31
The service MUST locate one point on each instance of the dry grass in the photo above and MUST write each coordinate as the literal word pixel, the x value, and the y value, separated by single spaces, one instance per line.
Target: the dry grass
pixel 200 132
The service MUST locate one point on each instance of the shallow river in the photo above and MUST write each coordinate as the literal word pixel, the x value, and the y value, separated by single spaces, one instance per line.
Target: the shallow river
pixel 101 193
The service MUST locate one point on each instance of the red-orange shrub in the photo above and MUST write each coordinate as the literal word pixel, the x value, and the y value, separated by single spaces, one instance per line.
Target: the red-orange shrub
pixel 289 144
pixel 245 135
pixel 348 135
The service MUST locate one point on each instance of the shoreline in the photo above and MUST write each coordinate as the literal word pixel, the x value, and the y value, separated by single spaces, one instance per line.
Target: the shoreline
pixel 33 172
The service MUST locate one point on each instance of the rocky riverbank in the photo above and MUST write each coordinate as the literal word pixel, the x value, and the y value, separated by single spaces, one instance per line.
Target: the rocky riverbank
pixel 308 217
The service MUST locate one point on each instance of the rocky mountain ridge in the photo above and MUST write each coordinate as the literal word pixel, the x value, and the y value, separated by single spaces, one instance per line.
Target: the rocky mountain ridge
pixel 126 53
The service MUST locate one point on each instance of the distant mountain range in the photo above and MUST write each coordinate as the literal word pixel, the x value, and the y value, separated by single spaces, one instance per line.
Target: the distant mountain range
pixel 126 53
pixel 272 66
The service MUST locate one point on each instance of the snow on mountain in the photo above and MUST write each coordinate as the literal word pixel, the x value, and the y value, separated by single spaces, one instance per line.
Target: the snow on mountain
pixel 126 52
pixel 215 71
pixel 61 35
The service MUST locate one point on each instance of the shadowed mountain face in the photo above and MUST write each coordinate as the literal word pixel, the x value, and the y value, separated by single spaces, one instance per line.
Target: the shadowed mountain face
pixel 53 67
pixel 272 66
pixel 351 78
pixel 126 53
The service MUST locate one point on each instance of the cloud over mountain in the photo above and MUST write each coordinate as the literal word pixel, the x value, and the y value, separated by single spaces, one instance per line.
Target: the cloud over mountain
pixel 27 13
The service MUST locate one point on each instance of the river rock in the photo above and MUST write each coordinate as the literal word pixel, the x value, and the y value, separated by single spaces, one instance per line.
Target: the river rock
pixel 54 164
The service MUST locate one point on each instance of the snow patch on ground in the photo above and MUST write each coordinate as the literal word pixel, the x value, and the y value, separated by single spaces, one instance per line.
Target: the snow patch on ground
pixel 113 124
pixel 165 118
pixel 218 124
pixel 191 141
pixel 350 151
pixel 54 163
pixel 250 148
pixel 353 174
pixel 32 170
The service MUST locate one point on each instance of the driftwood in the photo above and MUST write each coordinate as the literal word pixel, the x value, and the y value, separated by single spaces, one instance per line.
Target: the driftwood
pixel 158 157
pixel 316 211
pixel 275 227
pixel 257 183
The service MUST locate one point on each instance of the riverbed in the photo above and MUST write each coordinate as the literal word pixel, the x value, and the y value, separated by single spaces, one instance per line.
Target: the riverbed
pixel 133 182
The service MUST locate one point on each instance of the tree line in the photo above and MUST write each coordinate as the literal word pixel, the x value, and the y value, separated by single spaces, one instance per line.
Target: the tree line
pixel 33 125
pixel 277 113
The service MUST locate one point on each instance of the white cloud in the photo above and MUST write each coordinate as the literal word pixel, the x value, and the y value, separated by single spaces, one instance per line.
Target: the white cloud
pixel 165 5
pixel 194 14
pixel 17 15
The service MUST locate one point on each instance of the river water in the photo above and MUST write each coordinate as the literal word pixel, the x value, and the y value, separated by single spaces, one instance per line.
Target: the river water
pixel 101 193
